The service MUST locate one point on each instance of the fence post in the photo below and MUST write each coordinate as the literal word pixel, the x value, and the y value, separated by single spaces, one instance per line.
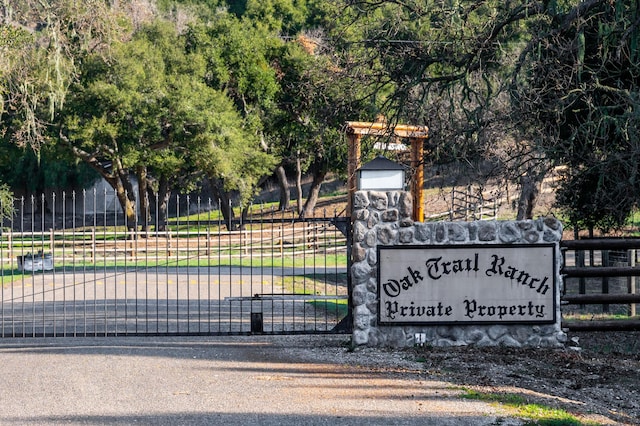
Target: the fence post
pixel 467 194
pixel 631 282
pixel 453 203
pixel 582 282
pixel 52 238
pixel 605 280
pixel 94 248
pixel 130 243
pixel 10 242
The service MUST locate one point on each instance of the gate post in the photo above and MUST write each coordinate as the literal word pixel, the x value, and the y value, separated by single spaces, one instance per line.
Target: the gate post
pixel 631 283
pixel 353 163
pixel 417 183
pixel 257 326
pixel 344 226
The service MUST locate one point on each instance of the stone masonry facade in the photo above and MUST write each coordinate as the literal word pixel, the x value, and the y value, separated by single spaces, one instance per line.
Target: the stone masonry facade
pixel 384 218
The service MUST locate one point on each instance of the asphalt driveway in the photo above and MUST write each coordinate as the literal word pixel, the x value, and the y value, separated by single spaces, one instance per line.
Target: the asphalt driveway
pixel 267 380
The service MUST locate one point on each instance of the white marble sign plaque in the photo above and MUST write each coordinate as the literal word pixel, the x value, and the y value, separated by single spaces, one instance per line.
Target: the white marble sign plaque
pixel 485 284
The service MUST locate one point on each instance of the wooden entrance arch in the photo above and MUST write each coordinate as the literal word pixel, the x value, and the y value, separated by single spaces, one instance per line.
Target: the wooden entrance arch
pixel 416 135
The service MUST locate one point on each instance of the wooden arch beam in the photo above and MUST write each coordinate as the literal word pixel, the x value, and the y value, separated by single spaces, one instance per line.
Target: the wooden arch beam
pixel 382 129
pixel 416 134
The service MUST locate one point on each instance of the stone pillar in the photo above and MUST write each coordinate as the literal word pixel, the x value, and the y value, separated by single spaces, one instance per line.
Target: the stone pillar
pixel 385 218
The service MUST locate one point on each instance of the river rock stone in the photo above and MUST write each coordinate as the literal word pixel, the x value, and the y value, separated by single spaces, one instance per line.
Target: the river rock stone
pixel 384 218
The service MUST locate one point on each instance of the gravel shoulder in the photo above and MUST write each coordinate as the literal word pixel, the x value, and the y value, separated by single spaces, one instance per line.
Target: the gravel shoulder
pixel 596 377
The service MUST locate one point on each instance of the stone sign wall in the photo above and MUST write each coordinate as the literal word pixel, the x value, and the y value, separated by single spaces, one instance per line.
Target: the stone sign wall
pixel 382 224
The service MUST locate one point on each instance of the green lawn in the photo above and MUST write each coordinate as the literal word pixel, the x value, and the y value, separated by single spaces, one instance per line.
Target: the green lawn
pixel 537 414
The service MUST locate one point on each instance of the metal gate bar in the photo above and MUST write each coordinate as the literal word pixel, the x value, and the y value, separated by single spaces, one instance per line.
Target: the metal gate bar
pixel 81 270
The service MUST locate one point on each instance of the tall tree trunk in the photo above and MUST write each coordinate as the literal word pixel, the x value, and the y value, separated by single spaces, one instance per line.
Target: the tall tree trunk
pixel 319 173
pixel 131 213
pixel 162 200
pixel 143 185
pixel 283 183
pixel 244 215
pixel 117 177
pixel 529 191
pixel 225 203
pixel 127 200
pixel 299 183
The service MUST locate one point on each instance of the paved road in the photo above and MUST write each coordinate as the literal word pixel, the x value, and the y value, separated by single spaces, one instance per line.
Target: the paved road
pixel 266 380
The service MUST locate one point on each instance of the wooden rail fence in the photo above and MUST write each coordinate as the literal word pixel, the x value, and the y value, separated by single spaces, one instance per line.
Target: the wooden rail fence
pixel 602 248
pixel 91 245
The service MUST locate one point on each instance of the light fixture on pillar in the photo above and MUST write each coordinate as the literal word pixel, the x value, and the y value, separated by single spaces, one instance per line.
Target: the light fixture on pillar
pixel 381 174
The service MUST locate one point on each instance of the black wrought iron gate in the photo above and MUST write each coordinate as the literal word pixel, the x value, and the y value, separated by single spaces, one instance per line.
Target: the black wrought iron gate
pixel 93 275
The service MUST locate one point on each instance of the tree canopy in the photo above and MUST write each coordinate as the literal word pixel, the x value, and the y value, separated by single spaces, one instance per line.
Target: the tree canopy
pixel 236 91
pixel 578 93
pixel 527 86
pixel 148 110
